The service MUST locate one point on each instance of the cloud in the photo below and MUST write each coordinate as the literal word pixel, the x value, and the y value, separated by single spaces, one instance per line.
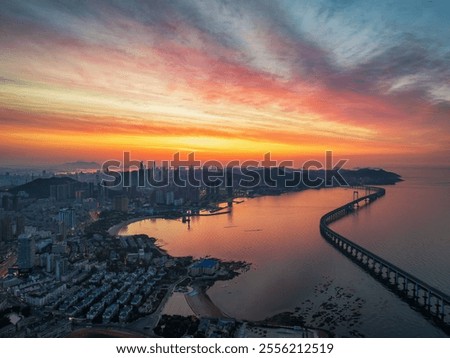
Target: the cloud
pixel 360 72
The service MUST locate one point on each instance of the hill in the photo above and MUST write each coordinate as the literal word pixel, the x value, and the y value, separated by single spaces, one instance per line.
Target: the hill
pixel 40 188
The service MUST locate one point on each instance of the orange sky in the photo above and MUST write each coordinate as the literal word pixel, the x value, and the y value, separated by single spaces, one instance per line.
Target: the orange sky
pixel 88 84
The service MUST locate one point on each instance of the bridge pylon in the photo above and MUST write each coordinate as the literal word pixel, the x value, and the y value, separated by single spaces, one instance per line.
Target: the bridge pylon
pixel 356 197
pixel 430 301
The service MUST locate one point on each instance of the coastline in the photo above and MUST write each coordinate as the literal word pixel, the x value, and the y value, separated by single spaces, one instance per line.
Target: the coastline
pixel 115 229
pixel 353 320
pixel 378 177
pixel 198 299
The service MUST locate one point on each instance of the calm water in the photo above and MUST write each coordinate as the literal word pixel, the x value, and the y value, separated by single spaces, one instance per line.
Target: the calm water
pixel 294 269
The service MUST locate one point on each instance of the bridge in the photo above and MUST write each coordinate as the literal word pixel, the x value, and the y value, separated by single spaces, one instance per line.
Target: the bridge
pixel 428 300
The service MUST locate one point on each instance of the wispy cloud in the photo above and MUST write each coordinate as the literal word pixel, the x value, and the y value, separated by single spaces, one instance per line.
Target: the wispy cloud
pixel 273 72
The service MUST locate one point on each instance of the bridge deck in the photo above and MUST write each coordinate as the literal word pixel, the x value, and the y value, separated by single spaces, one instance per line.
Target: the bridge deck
pixel 357 253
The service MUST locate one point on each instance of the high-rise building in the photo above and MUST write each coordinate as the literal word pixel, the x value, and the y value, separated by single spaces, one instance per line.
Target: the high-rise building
pixel 5 202
pixel 170 197
pixel 20 225
pixel 50 262
pixel 62 192
pixel 7 228
pixel 59 192
pixel 194 195
pixel 26 251
pixel 15 203
pixel 68 217
pixel 60 267
pixel 229 182
pixel 159 197
pixel 90 190
pixel 80 195
pixel 120 203
pixel 53 192
pixel 66 221
pixel 103 192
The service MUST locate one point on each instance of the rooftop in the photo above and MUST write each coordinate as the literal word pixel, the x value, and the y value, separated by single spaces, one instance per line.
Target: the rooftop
pixel 205 263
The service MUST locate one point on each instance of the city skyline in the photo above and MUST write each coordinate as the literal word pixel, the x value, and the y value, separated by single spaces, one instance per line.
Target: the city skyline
pixel 225 169
pixel 89 80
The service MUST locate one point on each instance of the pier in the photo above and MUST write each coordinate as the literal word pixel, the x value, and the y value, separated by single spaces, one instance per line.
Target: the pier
pixel 428 300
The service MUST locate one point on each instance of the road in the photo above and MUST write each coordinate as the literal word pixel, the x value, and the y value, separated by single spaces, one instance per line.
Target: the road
pixel 201 304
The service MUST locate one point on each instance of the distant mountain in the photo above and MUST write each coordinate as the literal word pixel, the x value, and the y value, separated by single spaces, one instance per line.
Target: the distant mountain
pixel 77 166
pixel 40 188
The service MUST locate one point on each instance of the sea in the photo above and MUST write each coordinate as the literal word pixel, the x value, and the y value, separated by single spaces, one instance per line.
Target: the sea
pixel 294 270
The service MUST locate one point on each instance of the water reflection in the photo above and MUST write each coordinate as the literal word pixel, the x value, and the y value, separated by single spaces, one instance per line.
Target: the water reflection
pixel 294 269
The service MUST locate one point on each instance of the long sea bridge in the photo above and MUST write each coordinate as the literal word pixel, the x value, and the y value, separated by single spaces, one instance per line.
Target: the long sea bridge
pixel 428 300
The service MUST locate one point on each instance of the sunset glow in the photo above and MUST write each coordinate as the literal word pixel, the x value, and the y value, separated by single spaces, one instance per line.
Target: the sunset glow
pixel 87 81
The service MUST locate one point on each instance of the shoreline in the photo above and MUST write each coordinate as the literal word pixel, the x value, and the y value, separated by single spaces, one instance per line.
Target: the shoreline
pixel 198 299
pixel 115 229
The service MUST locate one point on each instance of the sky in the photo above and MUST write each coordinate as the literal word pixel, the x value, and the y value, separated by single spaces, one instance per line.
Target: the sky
pixel 88 80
